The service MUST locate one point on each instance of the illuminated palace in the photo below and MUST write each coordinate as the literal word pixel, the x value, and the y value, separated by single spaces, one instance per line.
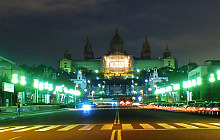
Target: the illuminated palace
pixel 117 62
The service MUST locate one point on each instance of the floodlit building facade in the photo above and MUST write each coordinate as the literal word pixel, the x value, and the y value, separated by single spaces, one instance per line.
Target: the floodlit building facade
pixel 117 62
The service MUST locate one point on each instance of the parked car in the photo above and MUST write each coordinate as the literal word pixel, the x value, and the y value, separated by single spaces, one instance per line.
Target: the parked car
pixel 200 107
pixel 181 107
pixel 209 109
pixel 216 109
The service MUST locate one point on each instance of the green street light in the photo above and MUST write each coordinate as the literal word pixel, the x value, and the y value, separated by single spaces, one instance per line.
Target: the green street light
pixel 168 89
pixel 23 81
pixel 198 81
pixel 96 71
pixel 59 88
pixel 65 90
pixel 46 85
pixel 176 87
pixel 157 91
pixel 14 78
pixel 76 92
pixel 36 83
pixel 185 84
pixel 162 90
pixel 193 82
pixel 212 77
pixel 218 74
pixel 50 87
pixel 189 83
pixel 41 86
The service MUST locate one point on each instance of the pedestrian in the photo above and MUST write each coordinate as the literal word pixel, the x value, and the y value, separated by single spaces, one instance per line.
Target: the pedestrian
pixel 18 109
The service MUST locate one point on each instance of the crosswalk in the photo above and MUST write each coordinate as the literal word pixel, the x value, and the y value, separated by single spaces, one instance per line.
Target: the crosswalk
pixel 103 127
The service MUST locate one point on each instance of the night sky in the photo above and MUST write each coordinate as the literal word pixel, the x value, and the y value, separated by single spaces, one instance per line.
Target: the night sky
pixel 39 31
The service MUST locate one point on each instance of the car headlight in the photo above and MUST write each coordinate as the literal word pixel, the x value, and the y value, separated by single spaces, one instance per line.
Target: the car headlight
pixel 86 107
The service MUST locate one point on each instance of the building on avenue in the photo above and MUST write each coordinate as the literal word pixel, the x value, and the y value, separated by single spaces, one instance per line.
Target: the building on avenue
pixel 118 67
pixel 117 62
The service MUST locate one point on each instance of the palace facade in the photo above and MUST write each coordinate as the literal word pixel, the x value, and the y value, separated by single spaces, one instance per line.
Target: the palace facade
pixel 117 62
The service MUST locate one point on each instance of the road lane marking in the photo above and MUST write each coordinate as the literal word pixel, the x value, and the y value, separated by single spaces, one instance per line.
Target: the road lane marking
pixel 167 126
pixel 207 125
pixel 147 126
pixel 115 120
pixel 107 127
pixel 218 124
pixel 118 118
pixel 87 127
pixel 187 126
pixel 15 138
pixel 3 128
pixel 68 127
pixel 14 128
pixel 127 127
pixel 48 128
pixel 113 135
pixel 119 135
pixel 27 129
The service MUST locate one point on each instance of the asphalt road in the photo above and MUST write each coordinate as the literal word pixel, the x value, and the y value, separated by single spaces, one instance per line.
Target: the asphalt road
pixel 112 124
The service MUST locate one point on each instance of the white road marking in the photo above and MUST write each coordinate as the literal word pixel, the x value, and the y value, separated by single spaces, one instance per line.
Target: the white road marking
pixel 107 127
pixel 167 126
pixel 30 128
pixel 218 124
pixel 48 128
pixel 147 126
pixel 87 127
pixel 207 125
pixel 14 138
pixel 14 128
pixel 68 127
pixel 186 125
pixel 127 127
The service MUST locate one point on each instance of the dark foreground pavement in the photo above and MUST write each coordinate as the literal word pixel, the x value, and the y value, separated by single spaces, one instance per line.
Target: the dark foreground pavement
pixel 112 124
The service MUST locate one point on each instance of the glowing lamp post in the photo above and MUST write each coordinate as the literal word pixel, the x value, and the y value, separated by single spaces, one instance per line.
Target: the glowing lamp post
pixel 212 78
pixel 36 86
pixel 22 82
pixel 14 79
pixel 176 87
pixel 76 93
pixel 218 74
pixel 198 81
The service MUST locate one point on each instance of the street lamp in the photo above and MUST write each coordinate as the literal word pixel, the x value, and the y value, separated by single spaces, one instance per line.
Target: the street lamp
pixel 14 78
pixel 218 74
pixel 76 93
pixel 36 86
pixel 176 87
pixel 22 82
pixel 198 81
pixel 212 78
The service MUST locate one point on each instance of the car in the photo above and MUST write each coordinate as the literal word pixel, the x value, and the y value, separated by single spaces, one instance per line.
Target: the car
pixel 190 108
pixel 122 103
pixel 200 107
pixel 181 107
pixel 125 103
pixel 209 108
pixel 216 109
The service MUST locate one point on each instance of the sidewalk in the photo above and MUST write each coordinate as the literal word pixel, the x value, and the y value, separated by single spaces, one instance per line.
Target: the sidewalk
pixel 13 114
